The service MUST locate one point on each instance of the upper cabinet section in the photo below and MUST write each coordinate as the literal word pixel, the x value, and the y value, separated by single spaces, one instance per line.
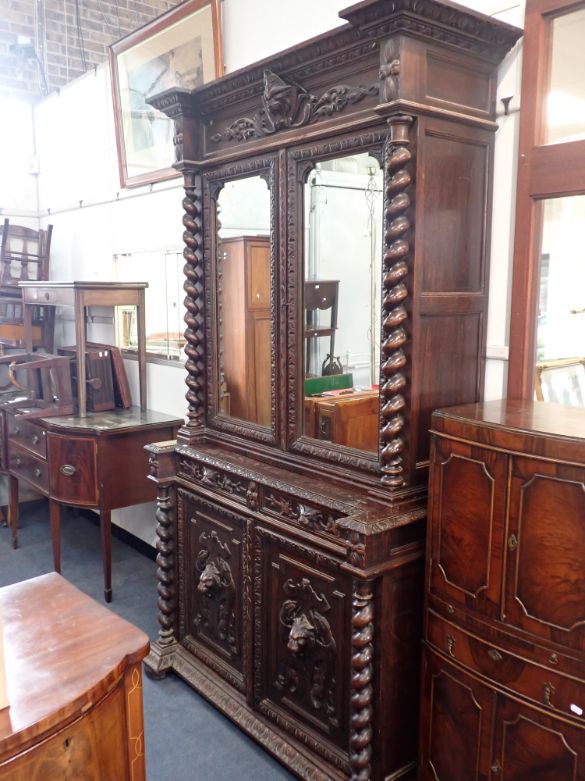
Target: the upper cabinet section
pixel 337 205
pixel 404 54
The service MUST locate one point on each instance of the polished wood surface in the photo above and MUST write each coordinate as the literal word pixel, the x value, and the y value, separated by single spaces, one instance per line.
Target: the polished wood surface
pixel 74 685
pixel 503 682
pixel 97 461
pixel 246 327
pixel 290 568
pixel 81 296
pixel 351 420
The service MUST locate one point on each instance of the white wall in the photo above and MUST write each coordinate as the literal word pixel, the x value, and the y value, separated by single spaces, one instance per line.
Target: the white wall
pixel 94 219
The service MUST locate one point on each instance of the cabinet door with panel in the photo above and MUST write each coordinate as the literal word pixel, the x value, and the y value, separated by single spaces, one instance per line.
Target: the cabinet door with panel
pixel 467 507
pixel 301 662
pixel 213 582
pixel 456 723
pixel 533 746
pixel 545 572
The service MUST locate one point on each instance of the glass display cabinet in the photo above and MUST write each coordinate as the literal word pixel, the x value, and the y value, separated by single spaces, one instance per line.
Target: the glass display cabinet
pixel 291 508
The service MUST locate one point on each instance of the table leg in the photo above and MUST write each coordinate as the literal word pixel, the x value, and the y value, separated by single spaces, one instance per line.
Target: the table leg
pixel 106 528
pixel 55 515
pixel 13 508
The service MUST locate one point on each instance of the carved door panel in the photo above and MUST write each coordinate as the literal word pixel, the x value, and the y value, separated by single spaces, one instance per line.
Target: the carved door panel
pixel 531 746
pixel 213 584
pixel 467 507
pixel 545 572
pixel 301 664
pixel 456 716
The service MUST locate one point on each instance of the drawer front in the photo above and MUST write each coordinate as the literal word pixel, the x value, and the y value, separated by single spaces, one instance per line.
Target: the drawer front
pixel 30 468
pixel 40 295
pixel 27 434
pixel 73 469
pixel 538 683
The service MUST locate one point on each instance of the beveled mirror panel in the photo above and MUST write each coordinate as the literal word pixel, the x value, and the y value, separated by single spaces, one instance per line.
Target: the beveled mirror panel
pixel 244 294
pixel 341 301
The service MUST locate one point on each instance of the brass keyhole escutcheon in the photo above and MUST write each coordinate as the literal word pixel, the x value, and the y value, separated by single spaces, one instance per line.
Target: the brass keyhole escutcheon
pixel 512 542
pixel 547 692
pixel 495 655
pixel 451 645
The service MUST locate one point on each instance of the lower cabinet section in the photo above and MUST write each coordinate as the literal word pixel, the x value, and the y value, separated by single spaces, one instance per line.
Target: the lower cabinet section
pixel 279 629
pixel 471 732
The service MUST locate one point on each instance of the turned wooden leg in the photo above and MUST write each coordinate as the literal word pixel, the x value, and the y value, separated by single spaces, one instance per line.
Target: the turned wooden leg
pixel 55 515
pixel 13 509
pixel 106 527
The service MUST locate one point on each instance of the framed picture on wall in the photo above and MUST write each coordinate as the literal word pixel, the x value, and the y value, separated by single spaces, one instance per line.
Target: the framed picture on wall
pixel 181 48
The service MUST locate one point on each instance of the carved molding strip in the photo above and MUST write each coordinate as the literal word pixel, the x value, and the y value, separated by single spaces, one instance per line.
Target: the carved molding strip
pixel 286 106
pixel 362 673
pixel 245 718
pixel 194 302
pixel 396 261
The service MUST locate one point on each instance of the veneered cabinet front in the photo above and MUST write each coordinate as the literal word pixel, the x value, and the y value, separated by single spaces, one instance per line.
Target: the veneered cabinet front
pixel 73 469
pixel 467 506
pixel 532 746
pixel 456 723
pixel 545 572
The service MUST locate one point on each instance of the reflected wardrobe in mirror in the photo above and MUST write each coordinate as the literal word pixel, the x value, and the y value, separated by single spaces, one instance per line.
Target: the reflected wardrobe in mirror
pixel 342 281
pixel 244 293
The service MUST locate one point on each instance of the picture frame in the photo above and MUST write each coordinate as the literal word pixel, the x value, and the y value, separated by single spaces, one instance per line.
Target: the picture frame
pixel 180 48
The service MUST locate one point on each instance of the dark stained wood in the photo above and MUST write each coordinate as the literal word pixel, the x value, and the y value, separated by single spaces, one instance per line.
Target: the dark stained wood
pixel 90 725
pixel 290 568
pixel 544 171
pixel 505 585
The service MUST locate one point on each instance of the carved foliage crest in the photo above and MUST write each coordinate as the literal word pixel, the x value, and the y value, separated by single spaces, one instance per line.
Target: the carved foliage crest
pixel 287 105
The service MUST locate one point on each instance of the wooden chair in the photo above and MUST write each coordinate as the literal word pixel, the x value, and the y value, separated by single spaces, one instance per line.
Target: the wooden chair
pixel 24 256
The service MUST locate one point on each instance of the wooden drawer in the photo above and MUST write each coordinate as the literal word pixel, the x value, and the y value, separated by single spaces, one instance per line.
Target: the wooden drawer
pixel 29 467
pixel 524 676
pixel 29 435
pixel 40 295
pixel 73 468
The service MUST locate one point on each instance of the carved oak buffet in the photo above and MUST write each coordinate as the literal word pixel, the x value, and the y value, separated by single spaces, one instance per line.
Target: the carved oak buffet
pixel 290 568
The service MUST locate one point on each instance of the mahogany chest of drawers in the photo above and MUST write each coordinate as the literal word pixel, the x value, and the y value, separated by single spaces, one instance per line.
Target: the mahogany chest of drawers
pixel 504 658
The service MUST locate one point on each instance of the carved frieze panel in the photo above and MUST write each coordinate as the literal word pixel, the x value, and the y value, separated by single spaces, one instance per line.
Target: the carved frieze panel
pixel 287 105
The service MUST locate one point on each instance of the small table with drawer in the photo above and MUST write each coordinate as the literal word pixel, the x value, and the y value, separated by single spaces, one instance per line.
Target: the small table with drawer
pixel 95 462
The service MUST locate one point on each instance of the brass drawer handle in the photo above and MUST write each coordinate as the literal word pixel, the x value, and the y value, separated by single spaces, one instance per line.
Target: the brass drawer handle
pixel 512 542
pixel 547 692
pixel 17 461
pixel 450 645
pixel 495 768
pixel 37 472
pixel 17 429
pixel 553 659
pixel 495 655
pixel 68 470
pixel 35 439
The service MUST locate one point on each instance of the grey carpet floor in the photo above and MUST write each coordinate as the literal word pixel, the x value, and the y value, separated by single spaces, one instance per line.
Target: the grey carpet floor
pixel 186 738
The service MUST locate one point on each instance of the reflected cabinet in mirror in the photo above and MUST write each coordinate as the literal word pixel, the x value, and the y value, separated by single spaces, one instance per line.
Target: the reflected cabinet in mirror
pixel 243 279
pixel 342 258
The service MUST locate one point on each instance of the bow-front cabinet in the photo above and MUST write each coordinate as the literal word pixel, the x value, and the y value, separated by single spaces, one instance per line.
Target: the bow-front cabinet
pixel 336 227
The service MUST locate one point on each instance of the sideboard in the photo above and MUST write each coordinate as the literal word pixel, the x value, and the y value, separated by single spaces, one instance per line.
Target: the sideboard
pixel 74 686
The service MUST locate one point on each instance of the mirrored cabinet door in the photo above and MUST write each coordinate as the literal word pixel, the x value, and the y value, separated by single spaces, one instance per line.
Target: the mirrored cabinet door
pixel 244 287
pixel 342 203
